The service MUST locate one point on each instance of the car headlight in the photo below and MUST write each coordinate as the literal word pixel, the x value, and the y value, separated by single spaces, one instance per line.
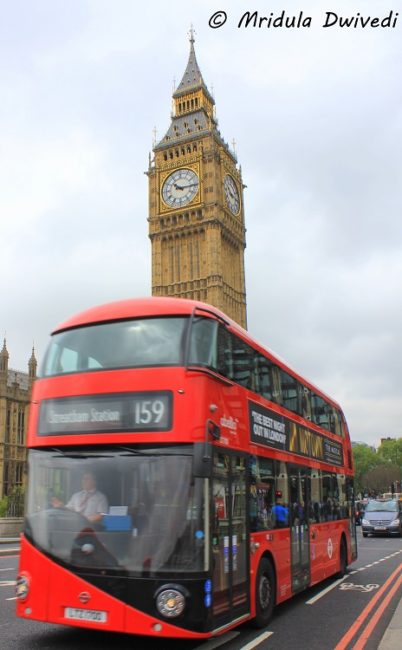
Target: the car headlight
pixel 395 522
pixel 170 601
pixel 22 587
pixel 365 522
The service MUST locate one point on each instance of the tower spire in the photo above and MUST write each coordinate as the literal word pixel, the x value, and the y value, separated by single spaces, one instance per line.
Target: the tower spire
pixel 4 356
pixel 193 107
pixel 192 79
pixel 32 365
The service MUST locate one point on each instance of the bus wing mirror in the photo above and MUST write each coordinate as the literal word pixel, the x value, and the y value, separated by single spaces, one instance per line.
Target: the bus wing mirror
pixel 212 430
pixel 202 460
pixel 203 451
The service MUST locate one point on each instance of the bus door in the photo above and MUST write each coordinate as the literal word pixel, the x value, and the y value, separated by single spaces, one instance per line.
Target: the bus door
pixel 229 536
pixel 299 502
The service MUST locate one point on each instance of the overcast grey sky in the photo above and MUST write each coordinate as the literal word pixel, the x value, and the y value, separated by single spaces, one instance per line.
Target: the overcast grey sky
pixel 316 114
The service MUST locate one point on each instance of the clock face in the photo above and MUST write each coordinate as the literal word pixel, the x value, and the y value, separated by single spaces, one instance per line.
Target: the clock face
pixel 180 188
pixel 232 194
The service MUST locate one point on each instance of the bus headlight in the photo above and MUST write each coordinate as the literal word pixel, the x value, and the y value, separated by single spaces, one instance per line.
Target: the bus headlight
pixel 170 601
pixel 22 587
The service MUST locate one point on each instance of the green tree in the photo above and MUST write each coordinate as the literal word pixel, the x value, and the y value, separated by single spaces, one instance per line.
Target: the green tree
pixel 390 451
pixel 13 504
pixel 381 477
pixel 3 506
pixel 365 459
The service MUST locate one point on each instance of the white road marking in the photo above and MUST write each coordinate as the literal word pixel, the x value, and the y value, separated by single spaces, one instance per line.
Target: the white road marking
pixel 367 566
pixel 350 573
pixel 349 586
pixel 216 643
pixel 257 641
pixel 324 591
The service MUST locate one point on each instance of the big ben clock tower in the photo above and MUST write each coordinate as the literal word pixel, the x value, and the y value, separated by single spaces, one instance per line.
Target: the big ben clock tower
pixel 196 213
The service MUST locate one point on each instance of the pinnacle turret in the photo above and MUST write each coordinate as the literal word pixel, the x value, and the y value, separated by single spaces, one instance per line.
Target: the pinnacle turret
pixel 32 365
pixel 4 356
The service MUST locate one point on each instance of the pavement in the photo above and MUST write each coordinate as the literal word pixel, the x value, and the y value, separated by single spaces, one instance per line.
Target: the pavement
pixel 392 639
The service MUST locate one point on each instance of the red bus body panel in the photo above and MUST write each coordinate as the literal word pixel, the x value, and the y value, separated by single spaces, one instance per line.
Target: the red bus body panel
pixel 53 588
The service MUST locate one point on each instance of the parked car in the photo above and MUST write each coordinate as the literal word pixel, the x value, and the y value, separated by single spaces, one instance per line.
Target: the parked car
pixel 382 518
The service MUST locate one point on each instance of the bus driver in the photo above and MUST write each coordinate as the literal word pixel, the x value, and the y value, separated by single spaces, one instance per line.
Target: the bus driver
pixel 89 502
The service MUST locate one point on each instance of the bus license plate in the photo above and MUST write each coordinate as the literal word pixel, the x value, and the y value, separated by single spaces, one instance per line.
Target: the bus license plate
pixel 77 614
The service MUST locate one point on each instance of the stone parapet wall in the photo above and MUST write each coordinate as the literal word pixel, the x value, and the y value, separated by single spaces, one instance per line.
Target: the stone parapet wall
pixel 11 526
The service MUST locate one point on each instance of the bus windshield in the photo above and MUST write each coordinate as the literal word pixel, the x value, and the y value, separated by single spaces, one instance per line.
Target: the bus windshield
pixel 119 344
pixel 151 517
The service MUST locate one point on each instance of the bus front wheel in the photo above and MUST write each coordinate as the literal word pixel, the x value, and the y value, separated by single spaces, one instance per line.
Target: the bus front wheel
pixel 264 593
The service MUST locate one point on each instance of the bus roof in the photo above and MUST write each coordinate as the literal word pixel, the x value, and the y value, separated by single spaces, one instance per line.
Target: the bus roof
pixel 166 306
pixel 140 308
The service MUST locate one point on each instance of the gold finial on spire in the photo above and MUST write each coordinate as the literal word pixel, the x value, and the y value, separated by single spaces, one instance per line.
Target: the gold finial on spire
pixel 192 33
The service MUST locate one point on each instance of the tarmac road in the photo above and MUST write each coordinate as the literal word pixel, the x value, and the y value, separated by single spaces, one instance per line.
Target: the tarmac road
pixel 364 610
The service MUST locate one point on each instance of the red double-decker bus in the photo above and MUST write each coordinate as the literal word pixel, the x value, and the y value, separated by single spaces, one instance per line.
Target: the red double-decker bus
pixel 182 478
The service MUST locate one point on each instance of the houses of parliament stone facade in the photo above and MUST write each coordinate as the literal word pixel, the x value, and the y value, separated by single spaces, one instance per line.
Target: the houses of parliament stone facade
pixel 196 210
pixel 15 394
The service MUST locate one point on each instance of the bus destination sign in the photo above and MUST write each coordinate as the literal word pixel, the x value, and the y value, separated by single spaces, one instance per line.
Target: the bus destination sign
pixel 112 413
pixel 273 430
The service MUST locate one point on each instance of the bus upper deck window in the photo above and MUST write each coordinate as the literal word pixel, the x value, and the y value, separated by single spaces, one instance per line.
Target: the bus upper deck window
pixel 203 346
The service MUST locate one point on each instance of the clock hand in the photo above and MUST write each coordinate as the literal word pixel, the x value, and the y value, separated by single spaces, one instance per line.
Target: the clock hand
pixel 183 187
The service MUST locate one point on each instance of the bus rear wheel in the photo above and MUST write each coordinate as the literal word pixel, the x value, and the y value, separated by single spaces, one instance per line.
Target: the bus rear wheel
pixel 264 593
pixel 343 559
